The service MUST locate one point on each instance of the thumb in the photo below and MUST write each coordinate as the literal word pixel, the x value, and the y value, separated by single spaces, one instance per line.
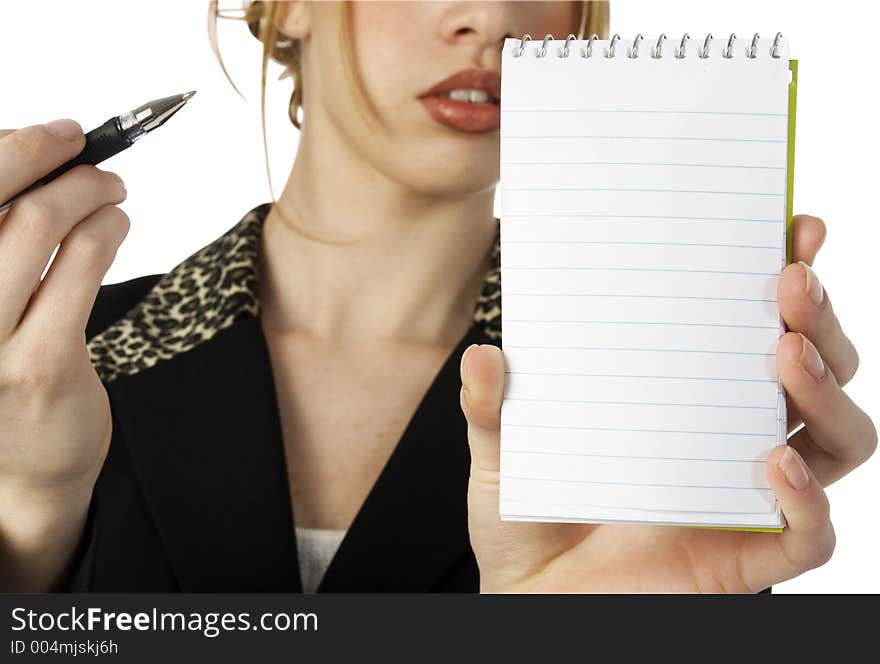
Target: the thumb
pixel 482 378
pixel 507 552
pixel 482 388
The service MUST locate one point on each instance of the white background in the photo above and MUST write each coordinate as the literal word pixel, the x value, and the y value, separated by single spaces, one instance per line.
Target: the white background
pixel 195 177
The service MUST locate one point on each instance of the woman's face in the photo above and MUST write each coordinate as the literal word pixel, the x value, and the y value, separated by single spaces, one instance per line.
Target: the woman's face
pixel 401 50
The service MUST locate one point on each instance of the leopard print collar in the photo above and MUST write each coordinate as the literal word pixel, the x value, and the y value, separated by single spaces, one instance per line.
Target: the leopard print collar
pixel 212 289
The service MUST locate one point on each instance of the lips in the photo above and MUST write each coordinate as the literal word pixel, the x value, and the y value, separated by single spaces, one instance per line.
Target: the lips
pixel 466 116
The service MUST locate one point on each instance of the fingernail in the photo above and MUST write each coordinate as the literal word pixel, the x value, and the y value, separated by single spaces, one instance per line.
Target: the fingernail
pixel 794 470
pixel 118 181
pixel 811 360
pixel 464 357
pixel 66 130
pixel 812 285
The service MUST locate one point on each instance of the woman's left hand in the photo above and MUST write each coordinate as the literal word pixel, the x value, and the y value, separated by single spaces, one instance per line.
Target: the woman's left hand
pixel 814 360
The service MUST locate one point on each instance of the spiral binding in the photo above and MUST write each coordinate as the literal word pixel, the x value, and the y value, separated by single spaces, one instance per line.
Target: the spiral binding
pixel 679 52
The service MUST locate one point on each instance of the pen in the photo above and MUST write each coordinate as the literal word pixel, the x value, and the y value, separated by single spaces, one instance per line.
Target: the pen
pixel 114 136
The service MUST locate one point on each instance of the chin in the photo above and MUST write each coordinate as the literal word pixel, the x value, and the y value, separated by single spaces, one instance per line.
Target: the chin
pixel 452 182
pixel 453 171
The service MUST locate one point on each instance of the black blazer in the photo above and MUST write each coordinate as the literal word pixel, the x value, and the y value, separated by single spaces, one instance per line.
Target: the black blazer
pixel 194 493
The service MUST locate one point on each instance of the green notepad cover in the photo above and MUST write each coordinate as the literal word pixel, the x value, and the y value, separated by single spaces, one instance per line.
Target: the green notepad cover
pixel 789 186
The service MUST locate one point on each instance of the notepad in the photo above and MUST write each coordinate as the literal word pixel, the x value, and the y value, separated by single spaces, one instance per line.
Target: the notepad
pixel 645 205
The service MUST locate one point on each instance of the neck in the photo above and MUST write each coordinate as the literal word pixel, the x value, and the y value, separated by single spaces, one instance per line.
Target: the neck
pixel 350 255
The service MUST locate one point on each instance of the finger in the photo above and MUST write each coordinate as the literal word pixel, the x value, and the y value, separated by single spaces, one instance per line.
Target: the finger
pixel 31 152
pixel 64 299
pixel 808 236
pixel 807 540
pixel 4 132
pixel 841 435
pixel 806 308
pixel 37 222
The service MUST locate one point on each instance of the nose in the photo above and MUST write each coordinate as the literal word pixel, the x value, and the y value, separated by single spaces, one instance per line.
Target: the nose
pixel 482 25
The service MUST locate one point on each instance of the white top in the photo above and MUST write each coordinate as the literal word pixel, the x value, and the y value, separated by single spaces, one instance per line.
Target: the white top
pixel 315 548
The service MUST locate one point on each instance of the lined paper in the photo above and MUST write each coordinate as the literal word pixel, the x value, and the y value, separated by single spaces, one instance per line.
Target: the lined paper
pixel 643 209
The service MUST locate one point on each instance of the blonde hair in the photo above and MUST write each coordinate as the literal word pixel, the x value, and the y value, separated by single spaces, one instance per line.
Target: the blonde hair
pixel 261 17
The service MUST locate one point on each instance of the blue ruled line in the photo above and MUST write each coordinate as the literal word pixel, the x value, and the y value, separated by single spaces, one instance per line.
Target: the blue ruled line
pixel 705 433
pixel 644 350
pixel 543 215
pixel 631 110
pixel 675 486
pixel 643 269
pixel 652 138
pixel 650 191
pixel 665 297
pixel 598 375
pixel 637 163
pixel 653 510
pixel 674 244
pixel 638 322
pixel 640 403
pixel 622 456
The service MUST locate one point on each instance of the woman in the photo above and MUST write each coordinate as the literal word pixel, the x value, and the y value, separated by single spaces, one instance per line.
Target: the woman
pixel 335 356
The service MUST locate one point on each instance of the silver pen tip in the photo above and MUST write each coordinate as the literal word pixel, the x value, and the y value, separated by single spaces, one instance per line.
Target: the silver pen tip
pixel 155 113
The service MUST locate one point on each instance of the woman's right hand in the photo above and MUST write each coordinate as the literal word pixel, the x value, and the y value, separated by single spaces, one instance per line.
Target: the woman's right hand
pixel 55 422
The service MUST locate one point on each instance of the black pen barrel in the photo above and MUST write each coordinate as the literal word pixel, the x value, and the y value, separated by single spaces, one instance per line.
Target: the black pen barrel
pixel 101 143
pixel 114 136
